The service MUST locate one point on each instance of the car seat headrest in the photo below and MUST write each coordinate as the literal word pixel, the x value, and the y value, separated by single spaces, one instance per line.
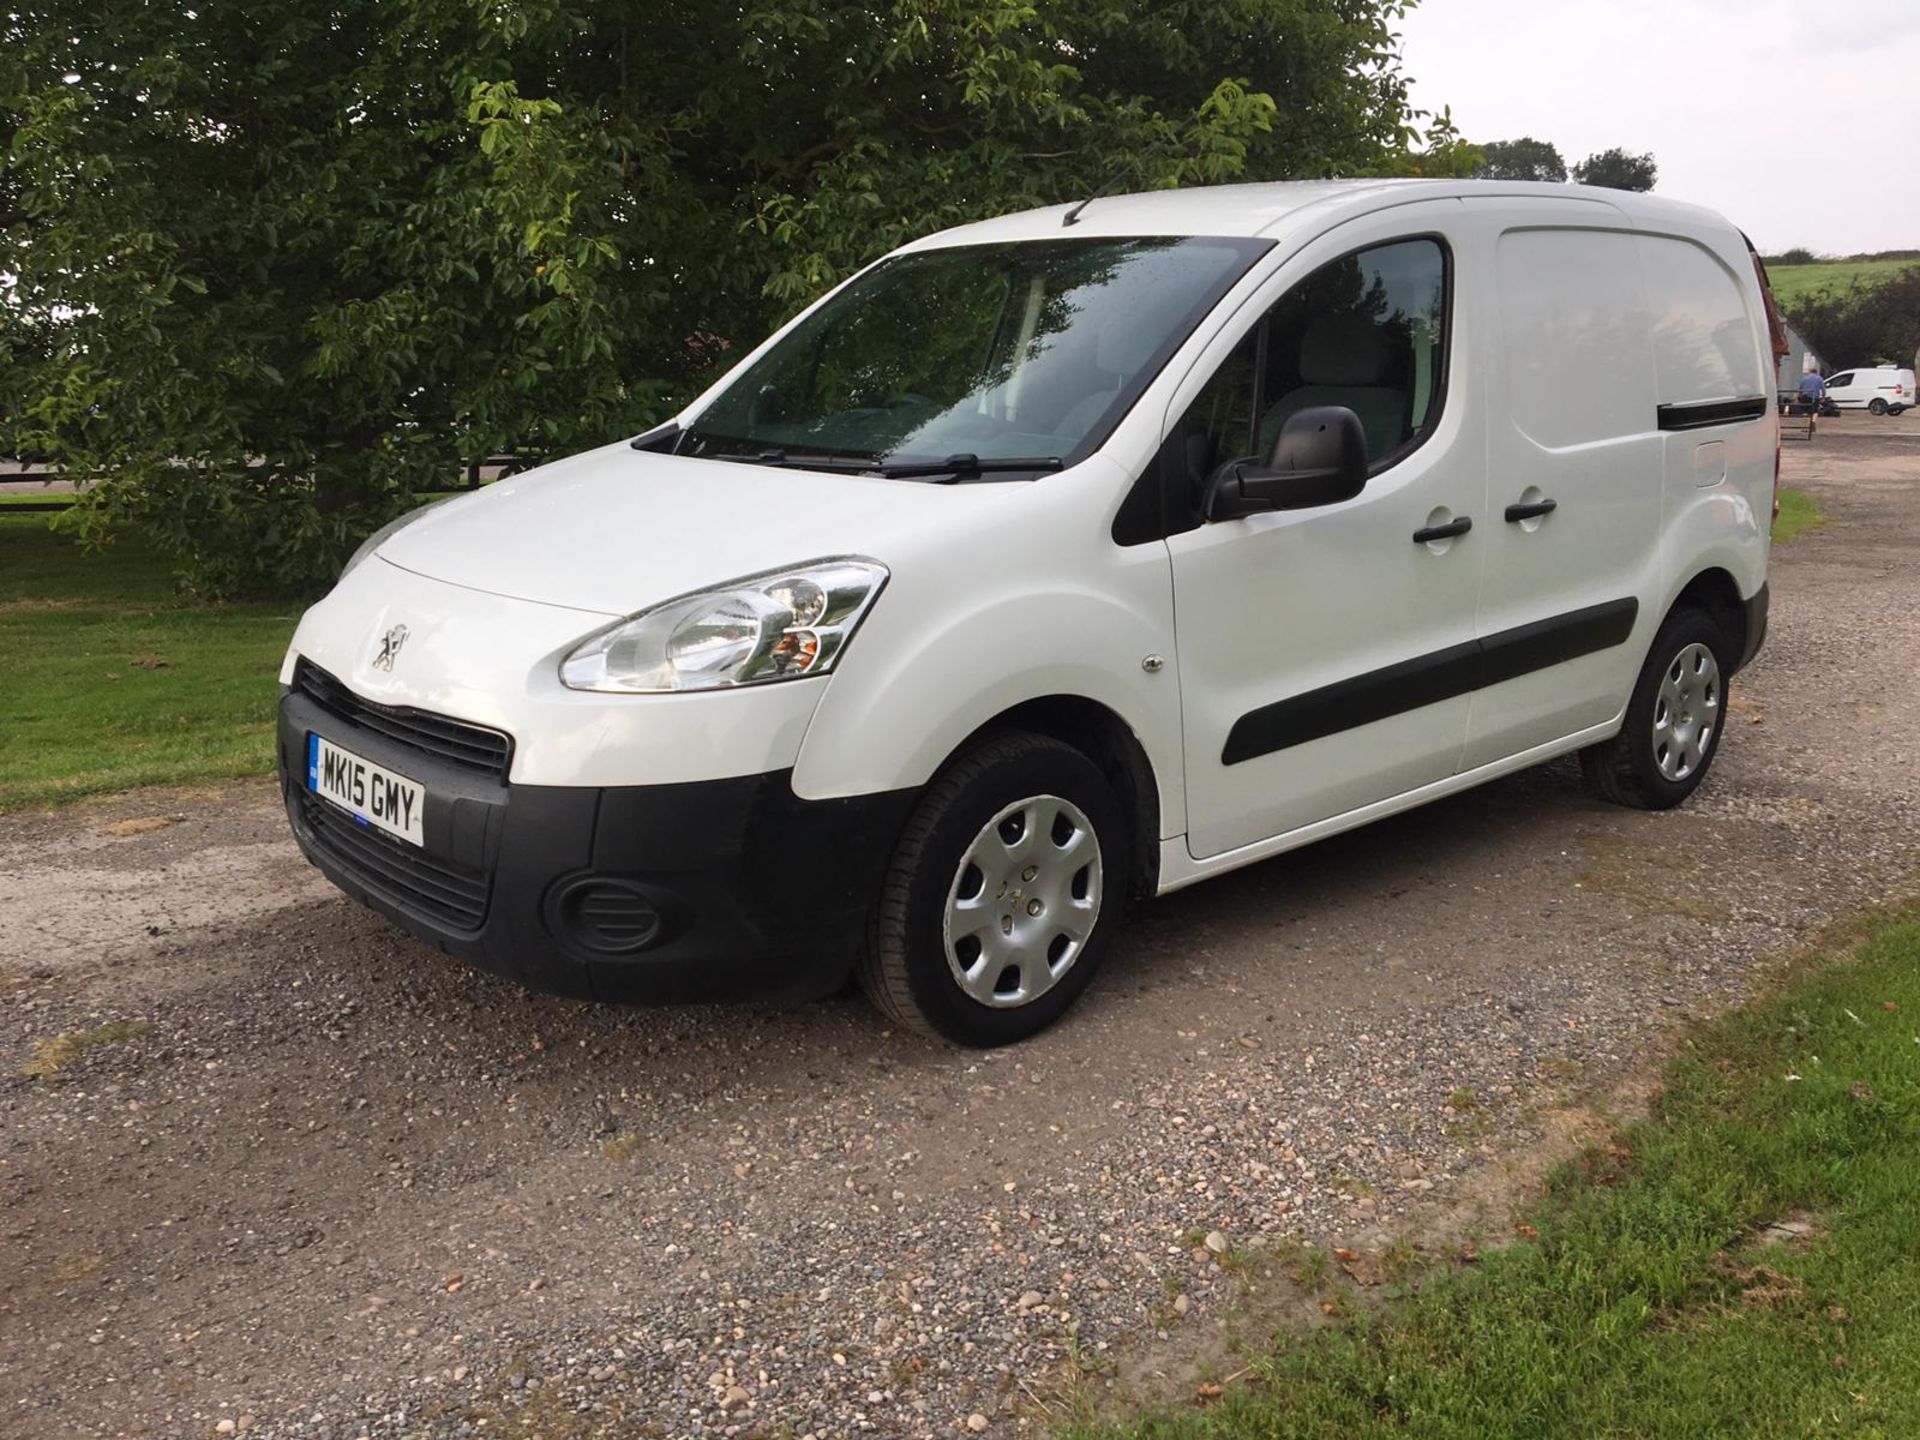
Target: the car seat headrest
pixel 1343 350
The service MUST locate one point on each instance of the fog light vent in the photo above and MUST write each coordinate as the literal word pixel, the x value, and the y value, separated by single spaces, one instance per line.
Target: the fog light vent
pixel 605 916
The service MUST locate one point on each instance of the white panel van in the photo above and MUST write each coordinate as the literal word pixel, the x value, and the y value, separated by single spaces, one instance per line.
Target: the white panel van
pixel 1053 562
pixel 1883 391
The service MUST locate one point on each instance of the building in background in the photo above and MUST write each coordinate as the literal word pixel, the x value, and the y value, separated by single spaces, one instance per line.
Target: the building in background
pixel 1798 360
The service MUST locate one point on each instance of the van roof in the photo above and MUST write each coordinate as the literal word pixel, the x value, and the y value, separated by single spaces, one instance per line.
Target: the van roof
pixel 1274 208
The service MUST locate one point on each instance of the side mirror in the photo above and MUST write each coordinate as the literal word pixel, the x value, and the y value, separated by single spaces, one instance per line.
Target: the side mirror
pixel 1319 459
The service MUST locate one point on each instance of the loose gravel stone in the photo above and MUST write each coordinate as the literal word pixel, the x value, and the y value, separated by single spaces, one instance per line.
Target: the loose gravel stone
pixel 753 1220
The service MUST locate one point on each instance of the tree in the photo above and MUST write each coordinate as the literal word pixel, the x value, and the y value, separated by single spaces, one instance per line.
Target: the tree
pixel 276 268
pixel 1617 169
pixel 1864 324
pixel 1436 151
pixel 1522 159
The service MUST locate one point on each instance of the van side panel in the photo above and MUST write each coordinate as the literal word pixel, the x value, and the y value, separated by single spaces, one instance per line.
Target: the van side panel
pixel 1573 421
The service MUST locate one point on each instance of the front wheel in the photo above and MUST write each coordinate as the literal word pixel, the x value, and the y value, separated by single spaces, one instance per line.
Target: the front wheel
pixel 1001 895
pixel 1876 407
pixel 1673 722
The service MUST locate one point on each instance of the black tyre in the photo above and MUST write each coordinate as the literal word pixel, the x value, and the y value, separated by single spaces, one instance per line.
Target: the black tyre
pixel 1008 880
pixel 1673 723
pixel 1896 409
pixel 1876 407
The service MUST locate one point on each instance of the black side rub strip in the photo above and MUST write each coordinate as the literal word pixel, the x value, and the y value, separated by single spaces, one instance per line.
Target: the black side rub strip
pixel 1699 414
pixel 1443 675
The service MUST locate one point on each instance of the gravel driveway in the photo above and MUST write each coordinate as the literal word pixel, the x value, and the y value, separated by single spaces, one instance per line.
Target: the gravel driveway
pixel 292 1173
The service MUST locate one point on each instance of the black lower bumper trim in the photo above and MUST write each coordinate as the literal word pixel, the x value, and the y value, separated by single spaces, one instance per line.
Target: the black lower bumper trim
pixel 712 890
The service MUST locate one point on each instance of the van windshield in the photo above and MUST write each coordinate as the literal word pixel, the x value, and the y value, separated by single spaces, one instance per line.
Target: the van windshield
pixel 989 356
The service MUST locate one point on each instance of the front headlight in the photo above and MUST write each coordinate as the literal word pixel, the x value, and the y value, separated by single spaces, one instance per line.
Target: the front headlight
pixel 780 625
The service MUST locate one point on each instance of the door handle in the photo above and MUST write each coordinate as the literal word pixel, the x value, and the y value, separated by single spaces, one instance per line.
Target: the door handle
pixel 1442 532
pixel 1530 510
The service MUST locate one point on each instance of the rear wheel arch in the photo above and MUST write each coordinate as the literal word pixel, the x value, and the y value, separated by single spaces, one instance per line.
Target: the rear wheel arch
pixel 1674 717
pixel 1715 593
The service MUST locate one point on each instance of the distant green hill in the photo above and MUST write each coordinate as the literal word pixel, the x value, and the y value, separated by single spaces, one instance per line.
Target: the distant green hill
pixel 1796 282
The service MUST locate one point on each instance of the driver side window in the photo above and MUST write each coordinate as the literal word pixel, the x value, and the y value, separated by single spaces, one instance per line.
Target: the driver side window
pixel 1366 331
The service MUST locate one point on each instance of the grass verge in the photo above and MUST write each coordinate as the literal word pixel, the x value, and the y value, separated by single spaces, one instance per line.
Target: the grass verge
pixel 112 681
pixel 1744 1262
pixel 1792 283
pixel 1798 515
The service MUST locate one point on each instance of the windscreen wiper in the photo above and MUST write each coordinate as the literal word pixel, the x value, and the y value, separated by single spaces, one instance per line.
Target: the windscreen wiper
pixel 954 465
pixel 958 465
pixel 781 458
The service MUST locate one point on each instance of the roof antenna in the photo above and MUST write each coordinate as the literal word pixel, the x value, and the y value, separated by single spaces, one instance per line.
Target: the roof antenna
pixel 1072 217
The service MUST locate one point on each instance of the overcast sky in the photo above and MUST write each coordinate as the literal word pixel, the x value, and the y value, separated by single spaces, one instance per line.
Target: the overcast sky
pixel 1794 118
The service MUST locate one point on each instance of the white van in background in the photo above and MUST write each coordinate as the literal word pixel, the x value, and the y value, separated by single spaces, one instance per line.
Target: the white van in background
pixel 1884 391
pixel 1050 562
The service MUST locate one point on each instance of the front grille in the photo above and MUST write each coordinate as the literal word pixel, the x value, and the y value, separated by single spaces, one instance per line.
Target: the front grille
pixel 472 746
pixel 439 890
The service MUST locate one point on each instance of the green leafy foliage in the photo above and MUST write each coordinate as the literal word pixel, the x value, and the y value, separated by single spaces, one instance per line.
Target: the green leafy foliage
pixel 1531 159
pixel 1875 320
pixel 1617 169
pixel 1522 159
pixel 277 267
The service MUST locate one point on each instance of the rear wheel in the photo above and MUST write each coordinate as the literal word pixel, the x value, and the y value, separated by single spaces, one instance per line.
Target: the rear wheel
pixel 1001 895
pixel 1673 722
pixel 1876 407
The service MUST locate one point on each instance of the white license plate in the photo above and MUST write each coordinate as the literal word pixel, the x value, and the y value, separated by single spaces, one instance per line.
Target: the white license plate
pixel 370 793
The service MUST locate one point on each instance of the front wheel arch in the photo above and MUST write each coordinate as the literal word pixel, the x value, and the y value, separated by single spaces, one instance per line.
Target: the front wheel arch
pixel 1098 733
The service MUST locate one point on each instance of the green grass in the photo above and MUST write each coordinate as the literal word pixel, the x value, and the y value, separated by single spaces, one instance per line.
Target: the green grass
pixel 1649 1301
pixel 1792 283
pixel 79 713
pixel 1798 515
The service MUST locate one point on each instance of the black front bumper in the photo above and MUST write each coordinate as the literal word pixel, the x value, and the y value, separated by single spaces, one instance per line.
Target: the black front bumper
pixel 713 890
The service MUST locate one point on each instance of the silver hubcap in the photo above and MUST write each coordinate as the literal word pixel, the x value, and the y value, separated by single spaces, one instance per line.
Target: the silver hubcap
pixel 1687 712
pixel 1024 901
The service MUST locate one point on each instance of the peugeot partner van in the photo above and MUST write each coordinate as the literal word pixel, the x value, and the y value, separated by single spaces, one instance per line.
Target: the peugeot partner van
pixel 1050 563
pixel 1884 391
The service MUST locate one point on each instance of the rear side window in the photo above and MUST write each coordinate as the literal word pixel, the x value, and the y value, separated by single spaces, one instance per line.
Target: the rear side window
pixel 1573 314
pixel 1705 344
pixel 1366 331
